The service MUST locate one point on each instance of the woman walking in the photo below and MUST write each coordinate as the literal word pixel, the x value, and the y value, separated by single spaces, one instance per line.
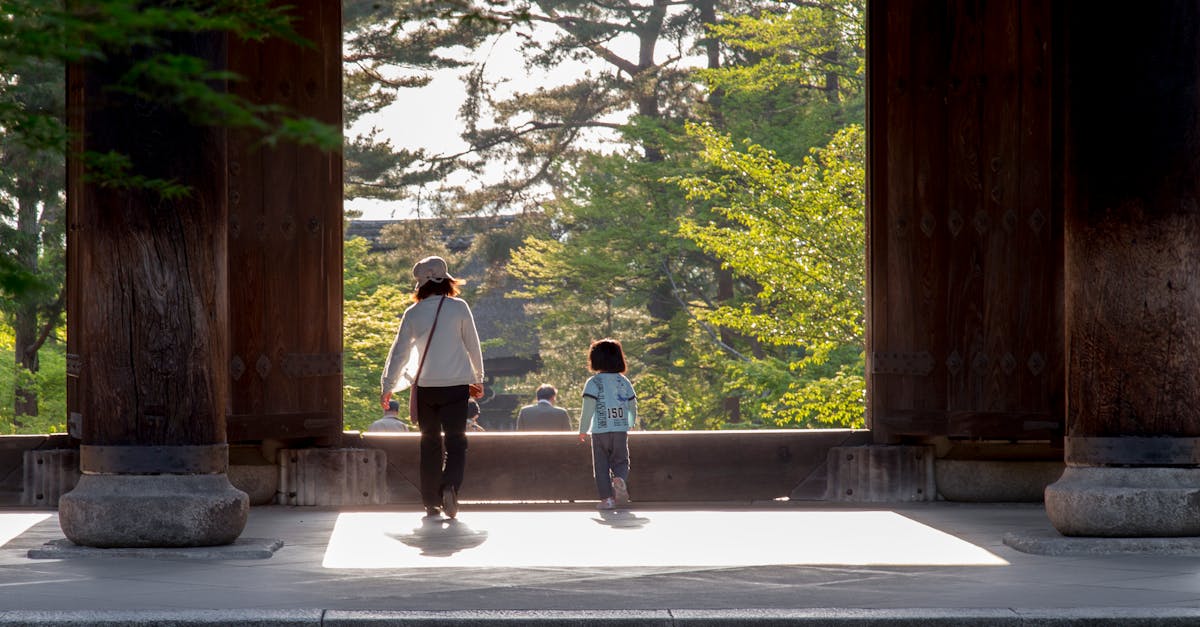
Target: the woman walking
pixel 437 354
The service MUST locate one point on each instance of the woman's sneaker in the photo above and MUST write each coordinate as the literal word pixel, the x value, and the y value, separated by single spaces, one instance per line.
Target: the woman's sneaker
pixel 620 491
pixel 607 503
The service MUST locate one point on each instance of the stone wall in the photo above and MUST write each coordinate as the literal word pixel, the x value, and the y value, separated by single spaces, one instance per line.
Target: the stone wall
pixel 698 466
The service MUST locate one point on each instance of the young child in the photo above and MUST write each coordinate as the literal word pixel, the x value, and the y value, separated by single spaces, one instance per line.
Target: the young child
pixel 609 412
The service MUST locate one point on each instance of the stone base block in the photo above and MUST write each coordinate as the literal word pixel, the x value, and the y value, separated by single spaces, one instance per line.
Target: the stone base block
pixel 1050 542
pixel 332 477
pixel 880 474
pixel 987 481
pixel 139 511
pixel 251 472
pixel 1125 502
pixel 242 549
pixel 48 474
pixel 260 483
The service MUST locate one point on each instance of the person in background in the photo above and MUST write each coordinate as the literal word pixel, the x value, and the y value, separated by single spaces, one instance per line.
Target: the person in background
pixel 543 415
pixel 473 416
pixel 436 352
pixel 609 412
pixel 391 419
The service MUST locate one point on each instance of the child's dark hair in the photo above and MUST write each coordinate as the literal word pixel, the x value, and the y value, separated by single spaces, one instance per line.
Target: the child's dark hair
pixel 606 356
pixel 447 287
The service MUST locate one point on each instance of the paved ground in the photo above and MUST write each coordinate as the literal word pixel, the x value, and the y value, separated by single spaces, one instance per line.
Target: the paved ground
pixel 768 563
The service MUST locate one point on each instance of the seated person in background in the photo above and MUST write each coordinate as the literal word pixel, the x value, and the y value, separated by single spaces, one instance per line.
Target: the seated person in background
pixel 543 415
pixel 473 416
pixel 390 421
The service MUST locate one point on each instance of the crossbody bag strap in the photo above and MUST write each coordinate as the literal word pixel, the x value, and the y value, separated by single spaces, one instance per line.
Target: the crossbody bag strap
pixel 428 340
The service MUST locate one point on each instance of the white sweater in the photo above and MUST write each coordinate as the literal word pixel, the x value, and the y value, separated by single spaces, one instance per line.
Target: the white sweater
pixel 454 355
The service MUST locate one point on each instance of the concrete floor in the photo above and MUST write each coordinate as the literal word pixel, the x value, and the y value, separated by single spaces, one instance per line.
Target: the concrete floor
pixel 782 562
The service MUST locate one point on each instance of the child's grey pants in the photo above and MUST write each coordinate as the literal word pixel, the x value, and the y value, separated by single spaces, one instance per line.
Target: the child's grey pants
pixel 610 454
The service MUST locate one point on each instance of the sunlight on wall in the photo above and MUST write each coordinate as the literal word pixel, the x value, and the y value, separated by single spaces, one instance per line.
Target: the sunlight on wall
pixel 13 525
pixel 645 539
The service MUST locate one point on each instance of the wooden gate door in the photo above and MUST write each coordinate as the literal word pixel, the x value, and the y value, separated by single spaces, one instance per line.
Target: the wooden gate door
pixel 285 242
pixel 965 235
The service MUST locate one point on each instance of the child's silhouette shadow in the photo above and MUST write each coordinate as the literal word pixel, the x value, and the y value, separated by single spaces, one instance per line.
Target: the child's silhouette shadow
pixel 441 537
pixel 621 520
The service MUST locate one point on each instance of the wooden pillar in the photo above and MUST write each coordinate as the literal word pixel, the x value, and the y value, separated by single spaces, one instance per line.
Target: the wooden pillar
pixel 148 317
pixel 1132 272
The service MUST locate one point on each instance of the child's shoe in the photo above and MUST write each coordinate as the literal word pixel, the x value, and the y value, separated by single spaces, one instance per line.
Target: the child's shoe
pixel 607 503
pixel 620 491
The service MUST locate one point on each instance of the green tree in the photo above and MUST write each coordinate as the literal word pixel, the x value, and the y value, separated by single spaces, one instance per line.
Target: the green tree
pixel 637 51
pixel 610 261
pixel 391 46
pixel 797 233
pixel 31 227
pixel 792 76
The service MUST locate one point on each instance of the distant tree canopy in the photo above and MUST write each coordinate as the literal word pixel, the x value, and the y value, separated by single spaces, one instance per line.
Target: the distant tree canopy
pixel 701 183
pixel 694 189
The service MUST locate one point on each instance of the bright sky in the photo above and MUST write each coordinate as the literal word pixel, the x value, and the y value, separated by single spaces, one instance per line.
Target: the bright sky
pixel 428 117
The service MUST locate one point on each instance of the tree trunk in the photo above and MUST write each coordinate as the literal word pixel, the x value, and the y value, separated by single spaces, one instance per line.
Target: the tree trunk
pixel 25 322
pixel 646 80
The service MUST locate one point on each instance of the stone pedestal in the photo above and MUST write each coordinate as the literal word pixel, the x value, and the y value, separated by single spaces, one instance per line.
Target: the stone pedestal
pixel 991 481
pixel 106 511
pixel 1125 502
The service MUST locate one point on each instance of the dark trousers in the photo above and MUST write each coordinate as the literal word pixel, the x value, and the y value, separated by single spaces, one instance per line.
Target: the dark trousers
pixel 610 458
pixel 443 457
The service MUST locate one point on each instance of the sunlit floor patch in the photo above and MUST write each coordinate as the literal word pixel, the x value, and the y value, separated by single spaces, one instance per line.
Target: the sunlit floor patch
pixel 13 525
pixel 644 539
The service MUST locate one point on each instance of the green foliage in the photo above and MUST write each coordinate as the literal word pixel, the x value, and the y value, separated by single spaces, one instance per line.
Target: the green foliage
pixel 114 170
pixel 32 228
pixel 105 30
pixel 818 46
pixel 50 382
pixel 532 132
pixel 795 74
pixel 630 257
pixel 362 273
pixel 391 45
pixel 783 394
pixel 370 322
pixel 797 233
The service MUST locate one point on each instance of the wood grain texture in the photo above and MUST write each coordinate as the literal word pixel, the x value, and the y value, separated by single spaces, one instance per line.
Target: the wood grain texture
pixel 963 228
pixel 1133 223
pixel 287 251
pixel 148 274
